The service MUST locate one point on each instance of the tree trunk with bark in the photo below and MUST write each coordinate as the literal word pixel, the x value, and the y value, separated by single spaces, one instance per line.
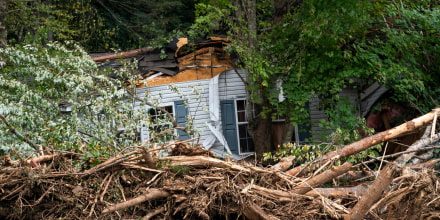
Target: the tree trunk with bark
pixel 260 128
pixel 3 29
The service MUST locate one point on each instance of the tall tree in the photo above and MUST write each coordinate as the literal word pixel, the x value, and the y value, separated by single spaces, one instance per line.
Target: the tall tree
pixel 3 30
pixel 318 47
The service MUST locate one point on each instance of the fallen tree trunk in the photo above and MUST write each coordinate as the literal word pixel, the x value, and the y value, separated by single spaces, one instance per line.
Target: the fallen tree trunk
pixel 351 176
pixel 367 142
pixel 374 192
pixel 121 55
pixel 322 178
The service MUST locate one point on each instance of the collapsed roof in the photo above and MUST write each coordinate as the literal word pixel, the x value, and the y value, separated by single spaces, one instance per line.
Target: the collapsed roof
pixel 181 61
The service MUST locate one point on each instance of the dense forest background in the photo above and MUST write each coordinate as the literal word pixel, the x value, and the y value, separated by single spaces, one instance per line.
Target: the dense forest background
pixel 99 25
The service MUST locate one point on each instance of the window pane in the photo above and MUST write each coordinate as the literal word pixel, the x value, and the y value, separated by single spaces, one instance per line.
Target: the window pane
pixel 250 145
pixel 241 105
pixel 169 109
pixel 242 130
pixel 241 116
pixel 243 146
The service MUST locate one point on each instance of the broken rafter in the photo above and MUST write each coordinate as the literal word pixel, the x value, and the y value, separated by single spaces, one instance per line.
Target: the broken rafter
pixel 122 55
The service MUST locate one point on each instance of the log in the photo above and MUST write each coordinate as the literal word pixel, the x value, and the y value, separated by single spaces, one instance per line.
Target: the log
pixel 122 55
pixel 374 192
pixel 356 191
pixel 284 164
pixel 322 178
pixel 367 142
pixel 351 176
pixel 204 161
pixel 149 195
pixel 44 158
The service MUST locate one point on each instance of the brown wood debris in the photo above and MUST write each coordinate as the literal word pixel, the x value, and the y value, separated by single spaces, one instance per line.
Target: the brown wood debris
pixel 191 183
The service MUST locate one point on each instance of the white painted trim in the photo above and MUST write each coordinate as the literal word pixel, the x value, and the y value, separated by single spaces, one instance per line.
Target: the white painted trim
pixel 296 135
pixel 240 123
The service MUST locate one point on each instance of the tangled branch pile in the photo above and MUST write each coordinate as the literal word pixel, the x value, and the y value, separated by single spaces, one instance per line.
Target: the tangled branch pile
pixel 190 183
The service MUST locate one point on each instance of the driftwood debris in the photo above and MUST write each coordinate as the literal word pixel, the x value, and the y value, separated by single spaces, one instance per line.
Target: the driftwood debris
pixel 191 183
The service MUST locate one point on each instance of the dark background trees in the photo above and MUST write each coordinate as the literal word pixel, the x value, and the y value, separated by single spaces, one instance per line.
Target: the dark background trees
pixel 98 25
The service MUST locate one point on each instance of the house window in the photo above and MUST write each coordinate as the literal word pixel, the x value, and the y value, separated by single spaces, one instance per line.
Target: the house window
pixel 159 122
pixel 244 139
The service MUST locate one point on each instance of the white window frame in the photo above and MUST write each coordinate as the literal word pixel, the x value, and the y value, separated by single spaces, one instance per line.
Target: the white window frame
pixel 237 123
pixel 150 124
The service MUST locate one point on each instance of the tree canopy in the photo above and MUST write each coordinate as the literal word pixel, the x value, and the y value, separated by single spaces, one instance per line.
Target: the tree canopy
pixel 99 25
pixel 319 47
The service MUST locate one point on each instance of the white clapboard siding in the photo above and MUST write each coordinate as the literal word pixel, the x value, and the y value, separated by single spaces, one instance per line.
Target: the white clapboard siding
pixel 316 115
pixel 230 87
pixel 165 96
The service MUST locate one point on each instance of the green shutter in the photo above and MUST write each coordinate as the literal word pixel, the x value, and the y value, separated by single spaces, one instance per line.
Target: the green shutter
pixel 229 124
pixel 181 112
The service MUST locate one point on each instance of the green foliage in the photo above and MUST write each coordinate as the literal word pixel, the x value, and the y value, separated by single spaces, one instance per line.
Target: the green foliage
pixel 302 153
pixel 99 25
pixel 60 20
pixel 55 96
pixel 340 137
pixel 140 23
pixel 180 170
pixel 320 47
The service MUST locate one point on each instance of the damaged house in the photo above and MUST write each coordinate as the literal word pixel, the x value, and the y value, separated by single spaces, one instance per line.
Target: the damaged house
pixel 200 87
